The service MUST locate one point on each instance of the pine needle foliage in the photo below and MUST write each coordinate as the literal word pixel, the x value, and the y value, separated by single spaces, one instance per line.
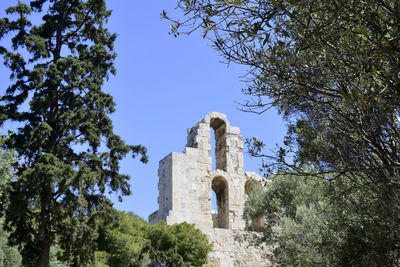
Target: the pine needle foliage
pixel 68 152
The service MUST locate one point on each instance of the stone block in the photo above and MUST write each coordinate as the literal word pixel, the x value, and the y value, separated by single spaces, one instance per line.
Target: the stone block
pixel 186 181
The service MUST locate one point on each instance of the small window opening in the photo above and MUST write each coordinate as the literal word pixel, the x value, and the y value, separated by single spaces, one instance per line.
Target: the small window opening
pixel 213 148
pixel 218 144
pixel 221 216
pixel 214 206
pixel 214 209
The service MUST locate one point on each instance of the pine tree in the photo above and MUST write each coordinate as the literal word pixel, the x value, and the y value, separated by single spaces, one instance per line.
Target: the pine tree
pixel 69 154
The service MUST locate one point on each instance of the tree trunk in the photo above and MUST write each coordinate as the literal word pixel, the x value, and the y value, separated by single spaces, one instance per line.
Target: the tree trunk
pixel 44 254
pixel 45 240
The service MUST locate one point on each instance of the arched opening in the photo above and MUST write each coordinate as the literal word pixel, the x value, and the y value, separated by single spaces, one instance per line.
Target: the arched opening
pixel 212 144
pixel 254 186
pixel 214 209
pixel 251 185
pixel 219 149
pixel 221 217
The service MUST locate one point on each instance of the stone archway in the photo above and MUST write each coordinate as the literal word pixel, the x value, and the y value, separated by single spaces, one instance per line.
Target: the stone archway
pixel 250 186
pixel 220 186
pixel 219 127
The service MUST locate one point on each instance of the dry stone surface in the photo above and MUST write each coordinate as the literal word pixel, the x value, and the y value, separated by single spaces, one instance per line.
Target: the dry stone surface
pixel 186 181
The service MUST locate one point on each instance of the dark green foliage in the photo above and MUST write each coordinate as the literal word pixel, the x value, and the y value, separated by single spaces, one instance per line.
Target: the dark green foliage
pixel 55 251
pixel 123 245
pixel 306 229
pixel 296 221
pixel 331 69
pixel 9 256
pixel 136 243
pixel 7 158
pixel 69 154
pixel 177 245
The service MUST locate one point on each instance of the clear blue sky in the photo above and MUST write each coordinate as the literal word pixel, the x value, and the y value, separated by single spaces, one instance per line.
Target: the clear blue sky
pixel 163 86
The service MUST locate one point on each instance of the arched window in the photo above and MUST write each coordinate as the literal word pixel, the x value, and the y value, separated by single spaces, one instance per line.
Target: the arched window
pixel 251 186
pixel 221 217
pixel 219 150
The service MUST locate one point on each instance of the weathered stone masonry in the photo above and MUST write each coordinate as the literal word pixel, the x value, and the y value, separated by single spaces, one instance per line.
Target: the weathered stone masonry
pixel 186 181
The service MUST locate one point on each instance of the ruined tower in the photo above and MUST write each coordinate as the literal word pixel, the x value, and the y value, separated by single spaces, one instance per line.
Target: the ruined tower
pixel 186 182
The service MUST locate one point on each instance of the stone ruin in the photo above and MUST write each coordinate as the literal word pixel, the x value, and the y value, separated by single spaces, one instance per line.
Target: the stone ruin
pixel 186 181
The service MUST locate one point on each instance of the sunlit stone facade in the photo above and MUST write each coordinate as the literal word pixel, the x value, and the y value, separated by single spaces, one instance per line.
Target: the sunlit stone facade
pixel 186 181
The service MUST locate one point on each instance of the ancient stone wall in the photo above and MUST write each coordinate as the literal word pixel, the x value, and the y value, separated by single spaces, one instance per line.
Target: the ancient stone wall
pixel 186 181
